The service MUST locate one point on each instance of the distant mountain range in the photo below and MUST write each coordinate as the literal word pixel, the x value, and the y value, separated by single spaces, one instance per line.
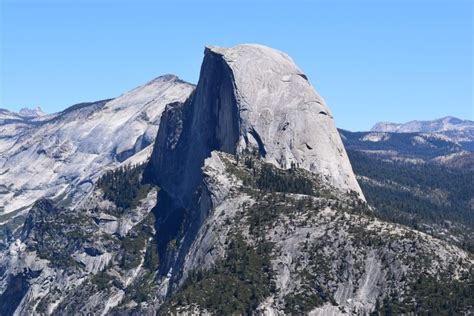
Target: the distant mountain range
pixel 419 174
pixel 448 123
pixel 457 130
pixel 448 141
pixel 411 147
pixel 23 114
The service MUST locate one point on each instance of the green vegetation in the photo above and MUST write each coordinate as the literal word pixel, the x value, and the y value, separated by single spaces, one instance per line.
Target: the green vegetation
pixel 302 302
pixel 312 292
pixel 132 247
pixel 262 215
pixel 141 290
pixel 263 177
pixel 235 285
pixel 42 307
pixel 417 194
pixel 12 221
pixel 102 280
pixel 401 143
pixel 141 239
pixel 430 296
pixel 272 179
pixel 58 233
pixel 10 229
pixel 124 186
pixel 152 257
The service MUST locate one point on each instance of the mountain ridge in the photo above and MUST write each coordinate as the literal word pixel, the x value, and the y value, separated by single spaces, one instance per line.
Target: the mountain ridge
pixel 44 157
pixel 418 126
pixel 230 206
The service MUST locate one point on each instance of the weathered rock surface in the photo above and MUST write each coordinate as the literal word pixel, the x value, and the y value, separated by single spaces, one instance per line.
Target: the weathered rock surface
pixel 83 260
pixel 282 114
pixel 328 253
pixel 250 98
pixel 61 155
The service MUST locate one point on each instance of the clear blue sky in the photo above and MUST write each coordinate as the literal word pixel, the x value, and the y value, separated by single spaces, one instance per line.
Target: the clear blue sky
pixel 371 60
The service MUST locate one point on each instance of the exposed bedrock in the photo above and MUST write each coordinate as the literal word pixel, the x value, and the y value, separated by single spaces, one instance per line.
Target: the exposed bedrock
pixel 249 97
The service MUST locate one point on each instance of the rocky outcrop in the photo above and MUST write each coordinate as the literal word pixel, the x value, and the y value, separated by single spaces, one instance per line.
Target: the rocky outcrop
pixel 319 253
pixel 31 113
pixel 249 98
pixel 282 115
pixel 444 124
pixel 66 260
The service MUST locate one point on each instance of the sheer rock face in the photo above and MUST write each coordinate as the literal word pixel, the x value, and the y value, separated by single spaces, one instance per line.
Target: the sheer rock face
pixel 250 97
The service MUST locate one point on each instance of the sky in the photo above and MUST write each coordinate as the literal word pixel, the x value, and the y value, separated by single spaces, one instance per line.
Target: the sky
pixel 385 60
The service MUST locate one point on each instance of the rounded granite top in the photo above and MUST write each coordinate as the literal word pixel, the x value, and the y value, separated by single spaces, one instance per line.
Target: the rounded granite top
pixel 258 57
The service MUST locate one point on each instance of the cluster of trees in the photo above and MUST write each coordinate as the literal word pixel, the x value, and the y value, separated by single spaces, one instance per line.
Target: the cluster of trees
pixel 124 186
pixel 272 179
pixel 235 286
pixel 430 296
pixel 407 207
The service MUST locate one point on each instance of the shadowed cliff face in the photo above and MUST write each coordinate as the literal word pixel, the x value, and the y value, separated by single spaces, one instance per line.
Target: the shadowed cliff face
pixel 17 287
pixel 189 132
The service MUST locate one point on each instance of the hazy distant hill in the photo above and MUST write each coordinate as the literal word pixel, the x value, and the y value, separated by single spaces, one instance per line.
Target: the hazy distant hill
pixel 458 130
pixel 423 180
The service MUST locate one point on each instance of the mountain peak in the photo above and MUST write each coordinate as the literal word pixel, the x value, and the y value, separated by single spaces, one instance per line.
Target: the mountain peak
pixel 250 98
pixel 452 120
pixel 256 193
pixel 257 60
pixel 282 115
pixel 31 113
pixel 166 78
